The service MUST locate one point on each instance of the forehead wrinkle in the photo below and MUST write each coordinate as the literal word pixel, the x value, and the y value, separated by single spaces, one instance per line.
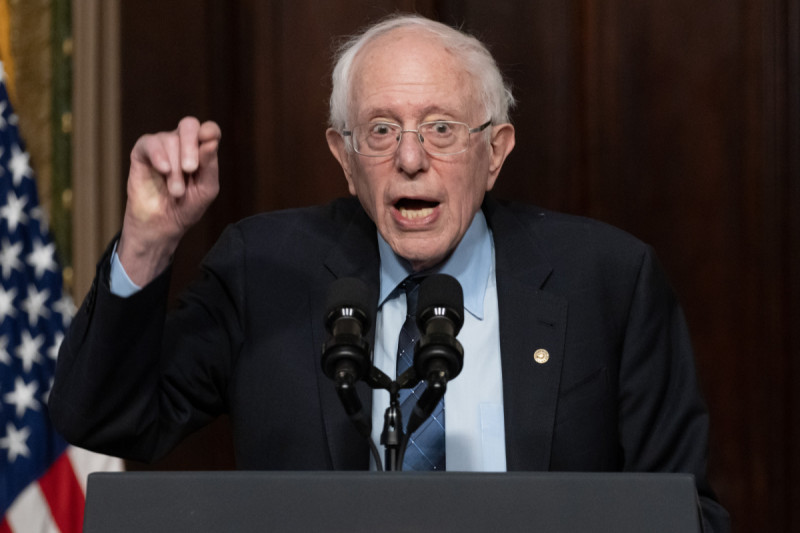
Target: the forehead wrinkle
pixel 400 101
pixel 422 115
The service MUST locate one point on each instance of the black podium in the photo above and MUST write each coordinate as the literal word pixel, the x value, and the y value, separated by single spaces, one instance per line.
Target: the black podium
pixel 356 502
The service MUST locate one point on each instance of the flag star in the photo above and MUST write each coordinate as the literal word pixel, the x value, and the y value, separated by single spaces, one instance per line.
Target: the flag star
pixel 3 123
pixel 28 350
pixel 37 213
pixel 65 308
pixel 5 357
pixel 35 304
pixel 19 164
pixel 9 257
pixel 52 351
pixel 42 258
pixel 7 308
pixel 13 211
pixel 23 396
pixel 14 442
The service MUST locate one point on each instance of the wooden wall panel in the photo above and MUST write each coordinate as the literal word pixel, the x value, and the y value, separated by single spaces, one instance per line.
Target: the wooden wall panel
pixel 676 120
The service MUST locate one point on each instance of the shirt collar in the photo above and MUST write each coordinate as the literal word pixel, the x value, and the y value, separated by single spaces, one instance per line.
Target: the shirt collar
pixel 470 264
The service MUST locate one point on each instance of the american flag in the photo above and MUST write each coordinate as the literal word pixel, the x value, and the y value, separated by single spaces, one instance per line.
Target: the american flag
pixel 42 479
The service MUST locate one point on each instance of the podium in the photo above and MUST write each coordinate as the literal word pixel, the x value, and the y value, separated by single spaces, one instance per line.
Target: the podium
pixel 375 502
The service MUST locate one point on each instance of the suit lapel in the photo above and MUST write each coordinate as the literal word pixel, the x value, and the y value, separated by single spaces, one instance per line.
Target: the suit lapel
pixel 355 255
pixel 531 322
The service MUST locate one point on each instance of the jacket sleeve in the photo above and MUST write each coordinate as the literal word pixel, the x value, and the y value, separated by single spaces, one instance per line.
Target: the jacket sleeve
pixel 131 379
pixel 663 418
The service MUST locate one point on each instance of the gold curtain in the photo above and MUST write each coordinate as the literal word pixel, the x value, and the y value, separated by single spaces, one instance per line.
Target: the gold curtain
pixel 25 41
pixel 5 49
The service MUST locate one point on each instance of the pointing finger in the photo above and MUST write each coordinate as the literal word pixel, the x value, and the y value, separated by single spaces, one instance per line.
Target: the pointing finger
pixel 176 178
pixel 188 130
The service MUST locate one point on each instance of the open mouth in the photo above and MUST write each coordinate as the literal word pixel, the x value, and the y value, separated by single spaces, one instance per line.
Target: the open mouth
pixel 412 208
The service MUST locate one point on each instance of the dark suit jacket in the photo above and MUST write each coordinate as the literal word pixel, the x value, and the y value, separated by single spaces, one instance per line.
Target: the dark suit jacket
pixel 619 391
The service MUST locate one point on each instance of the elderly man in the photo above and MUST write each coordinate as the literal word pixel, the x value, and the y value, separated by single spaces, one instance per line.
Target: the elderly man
pixel 577 356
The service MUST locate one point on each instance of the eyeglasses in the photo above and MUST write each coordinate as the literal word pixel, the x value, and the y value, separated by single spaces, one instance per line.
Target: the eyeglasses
pixel 440 137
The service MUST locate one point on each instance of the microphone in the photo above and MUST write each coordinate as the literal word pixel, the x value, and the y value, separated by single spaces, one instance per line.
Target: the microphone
pixel 440 315
pixel 438 357
pixel 345 356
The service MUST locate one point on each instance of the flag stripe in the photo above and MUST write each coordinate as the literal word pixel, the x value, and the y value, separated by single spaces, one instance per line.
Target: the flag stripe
pixel 30 513
pixel 85 462
pixel 63 494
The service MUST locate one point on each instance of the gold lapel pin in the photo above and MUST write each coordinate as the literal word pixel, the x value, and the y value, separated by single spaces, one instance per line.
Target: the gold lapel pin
pixel 541 356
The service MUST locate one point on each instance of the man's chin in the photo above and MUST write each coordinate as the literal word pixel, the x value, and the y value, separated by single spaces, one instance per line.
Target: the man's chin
pixel 420 259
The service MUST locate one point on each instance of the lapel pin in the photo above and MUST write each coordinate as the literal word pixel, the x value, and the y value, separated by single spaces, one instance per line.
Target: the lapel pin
pixel 541 356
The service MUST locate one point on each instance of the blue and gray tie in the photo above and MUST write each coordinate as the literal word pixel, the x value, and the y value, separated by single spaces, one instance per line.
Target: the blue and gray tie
pixel 426 447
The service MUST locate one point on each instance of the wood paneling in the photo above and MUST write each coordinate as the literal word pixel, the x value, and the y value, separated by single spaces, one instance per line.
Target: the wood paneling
pixel 676 120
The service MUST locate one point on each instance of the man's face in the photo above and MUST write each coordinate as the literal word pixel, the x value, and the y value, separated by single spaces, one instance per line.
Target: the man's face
pixel 421 204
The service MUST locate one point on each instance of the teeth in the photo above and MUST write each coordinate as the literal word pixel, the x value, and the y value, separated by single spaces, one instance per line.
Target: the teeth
pixel 415 213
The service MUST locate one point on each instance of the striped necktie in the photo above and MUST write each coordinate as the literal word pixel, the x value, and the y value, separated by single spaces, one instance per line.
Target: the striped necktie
pixel 426 447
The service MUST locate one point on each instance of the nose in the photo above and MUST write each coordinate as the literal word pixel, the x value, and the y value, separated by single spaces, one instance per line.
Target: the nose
pixel 410 157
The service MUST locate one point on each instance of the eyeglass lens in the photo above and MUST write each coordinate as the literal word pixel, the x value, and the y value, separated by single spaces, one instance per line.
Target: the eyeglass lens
pixel 381 138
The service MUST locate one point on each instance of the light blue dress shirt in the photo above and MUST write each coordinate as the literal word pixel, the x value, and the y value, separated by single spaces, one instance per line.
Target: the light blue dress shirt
pixel 474 426
pixel 475 430
pixel 121 284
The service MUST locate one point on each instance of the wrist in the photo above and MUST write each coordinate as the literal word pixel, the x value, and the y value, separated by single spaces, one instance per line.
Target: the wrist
pixel 144 258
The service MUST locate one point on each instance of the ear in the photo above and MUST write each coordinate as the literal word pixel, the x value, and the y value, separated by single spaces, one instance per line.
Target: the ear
pixel 500 145
pixel 338 148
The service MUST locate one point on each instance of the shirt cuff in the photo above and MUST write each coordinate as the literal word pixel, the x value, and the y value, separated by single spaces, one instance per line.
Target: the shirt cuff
pixel 121 284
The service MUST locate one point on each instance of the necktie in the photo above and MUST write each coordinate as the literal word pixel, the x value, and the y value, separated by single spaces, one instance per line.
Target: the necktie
pixel 426 447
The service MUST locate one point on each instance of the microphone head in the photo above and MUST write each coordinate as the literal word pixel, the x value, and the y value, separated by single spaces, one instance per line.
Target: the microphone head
pixel 440 315
pixel 345 356
pixel 440 295
pixel 348 297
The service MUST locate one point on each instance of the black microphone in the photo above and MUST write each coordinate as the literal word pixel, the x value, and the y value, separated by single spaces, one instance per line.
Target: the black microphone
pixel 438 357
pixel 345 356
pixel 440 315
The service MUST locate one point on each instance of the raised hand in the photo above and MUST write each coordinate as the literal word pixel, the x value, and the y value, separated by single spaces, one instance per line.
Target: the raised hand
pixel 174 177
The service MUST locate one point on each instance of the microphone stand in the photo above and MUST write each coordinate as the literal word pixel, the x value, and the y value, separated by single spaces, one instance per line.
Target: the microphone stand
pixel 392 436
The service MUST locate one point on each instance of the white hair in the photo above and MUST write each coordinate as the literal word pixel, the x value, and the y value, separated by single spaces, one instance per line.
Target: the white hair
pixel 479 63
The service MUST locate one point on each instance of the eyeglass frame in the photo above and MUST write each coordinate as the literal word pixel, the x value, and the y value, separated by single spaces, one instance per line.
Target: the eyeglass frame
pixel 470 131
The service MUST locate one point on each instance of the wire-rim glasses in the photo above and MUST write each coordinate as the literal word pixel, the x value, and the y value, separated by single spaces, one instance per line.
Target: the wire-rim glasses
pixel 438 137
